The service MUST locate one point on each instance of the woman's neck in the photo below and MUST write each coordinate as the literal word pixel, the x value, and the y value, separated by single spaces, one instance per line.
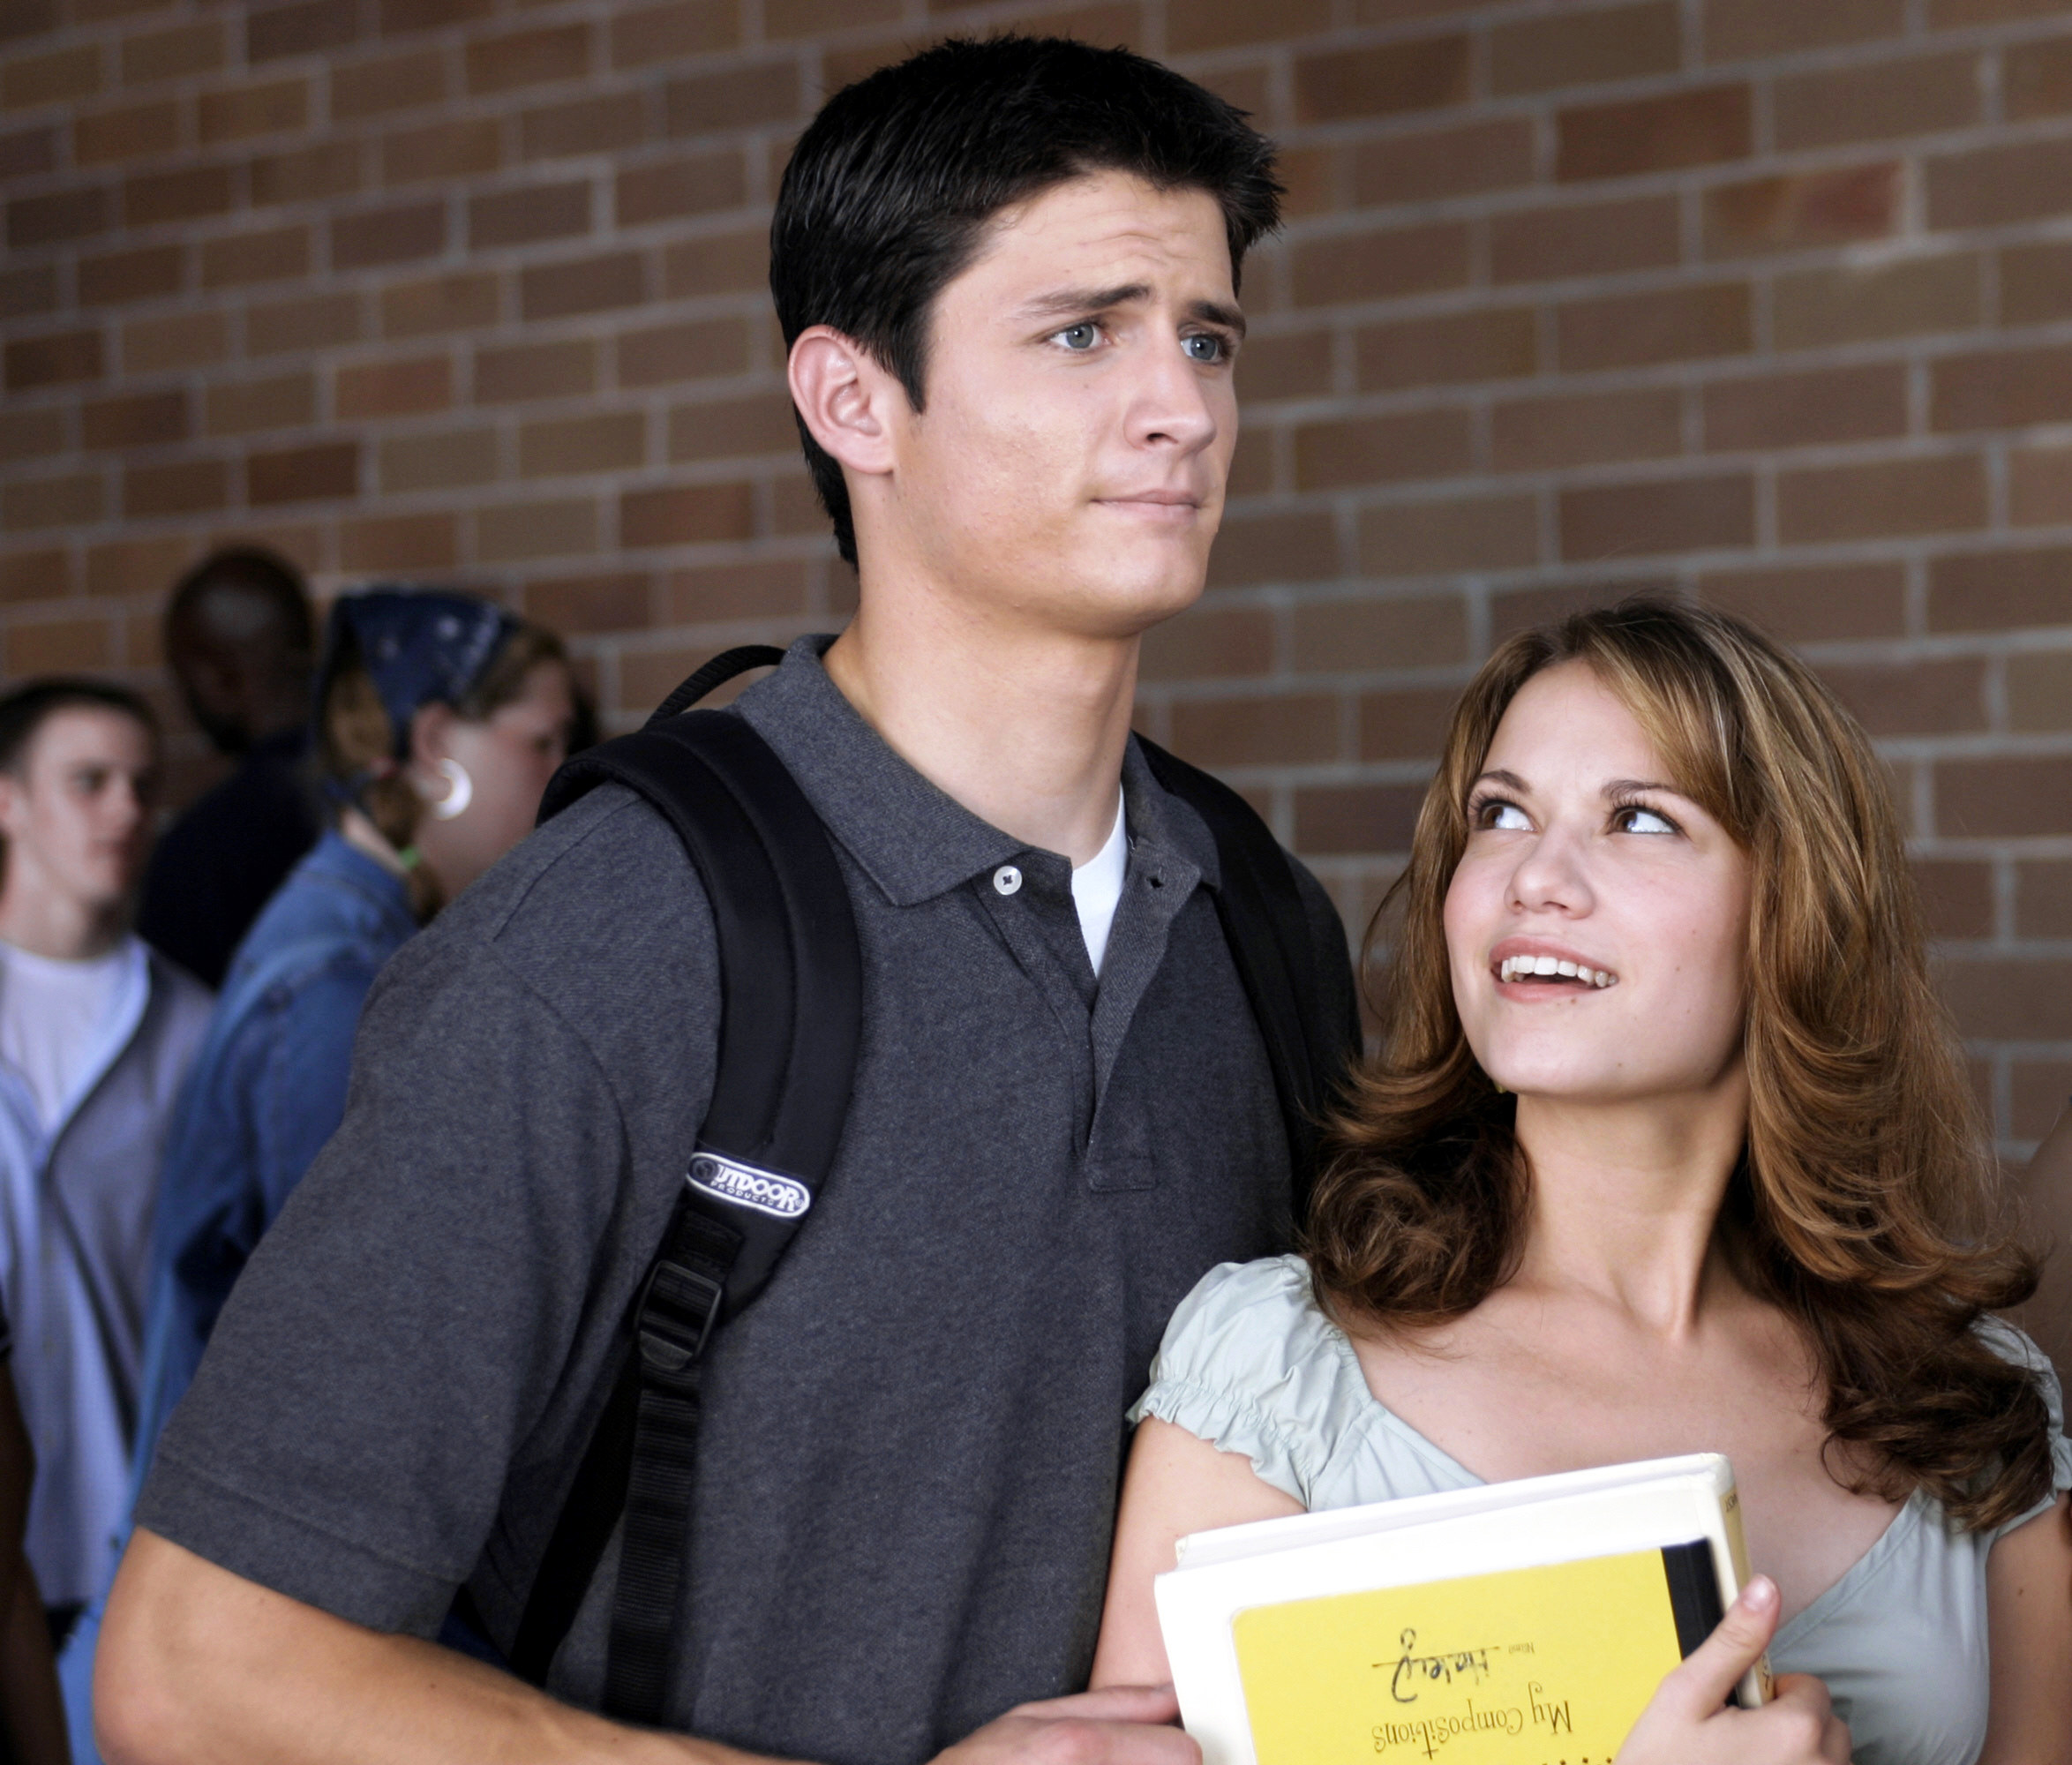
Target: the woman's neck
pixel 1625 1198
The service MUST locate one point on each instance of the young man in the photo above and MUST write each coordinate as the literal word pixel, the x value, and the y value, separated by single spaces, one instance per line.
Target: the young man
pixel 1007 271
pixel 96 1034
pixel 239 637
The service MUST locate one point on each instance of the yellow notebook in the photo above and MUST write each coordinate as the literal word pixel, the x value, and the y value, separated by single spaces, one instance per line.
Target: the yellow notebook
pixel 1514 1624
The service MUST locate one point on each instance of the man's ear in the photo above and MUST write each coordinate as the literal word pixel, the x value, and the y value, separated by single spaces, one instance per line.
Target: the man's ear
pixel 848 400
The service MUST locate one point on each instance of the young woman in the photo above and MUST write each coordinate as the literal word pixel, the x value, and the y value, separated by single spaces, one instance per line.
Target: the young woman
pixel 1668 1148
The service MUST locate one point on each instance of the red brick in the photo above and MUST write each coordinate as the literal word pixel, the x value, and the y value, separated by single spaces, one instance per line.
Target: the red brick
pixel 405 388
pixel 307 322
pixel 35 576
pixel 60 646
pixel 765 590
pixel 252 406
pixel 53 360
pixel 696 349
pixel 27 152
pixel 670 32
pixel 60 76
pixel 1673 514
pixel 401 16
pixel 136 131
pixel 245 111
pixel 616 602
pixel 523 217
pixel 387 235
pixel 695 185
pixel 2001 590
pixel 608 124
pixel 1498 343
pixel 1221 23
pixel 2043 899
pixel 1210 642
pixel 1419 444
pixel 1440 538
pixel 449 460
pixel 1806 409
pixel 1282 546
pixel 1814 603
pixel 2038 1094
pixel 1576 47
pixel 1426 74
pixel 2036 78
pixel 601 442
pixel 726 263
pixel 328 469
pixel 2036 283
pixel 588 285
pixel 2009 797
pixel 34 434
pixel 1635 330
pixel 137 420
pixel 1519 610
pixel 520 371
pixel 1297 364
pixel 2003 389
pixel 29 290
pixel 178 52
pixel 1875 103
pixel 126 568
pixel 1364 267
pixel 686 515
pixel 463 301
pixel 1892 497
pixel 739 98
pixel 1599 238
pixel 188 195
pixel 719 428
pixel 396 82
pixel 245 258
pixel 1802 210
pixel 182 487
pixel 1332 819
pixel 1374 633
pixel 1957 896
pixel 1735 29
pixel 1913 698
pixel 29 504
pixel 1284 730
pixel 1457 162
pixel 1253 470
pixel 443 151
pixel 2039 691
pixel 1994 186
pixel 122 276
pixel 306 174
pixel 2039 486
pixel 385 544
pixel 1580 429
pixel 813 18
pixel 527 58
pixel 303 29
pixel 1702 126
pixel 536 530
pixel 1948 15
pixel 1914 296
pixel 180 340
pixel 1409 724
pixel 52 220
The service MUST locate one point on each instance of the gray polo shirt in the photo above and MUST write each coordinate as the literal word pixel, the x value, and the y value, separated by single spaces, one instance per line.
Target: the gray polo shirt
pixel 908 1466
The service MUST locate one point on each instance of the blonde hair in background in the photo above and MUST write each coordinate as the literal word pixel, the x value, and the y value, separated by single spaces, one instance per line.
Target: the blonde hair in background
pixel 1868 1205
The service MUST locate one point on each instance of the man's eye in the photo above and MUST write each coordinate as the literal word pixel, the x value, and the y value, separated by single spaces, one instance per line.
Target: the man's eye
pixel 1204 346
pixel 1079 337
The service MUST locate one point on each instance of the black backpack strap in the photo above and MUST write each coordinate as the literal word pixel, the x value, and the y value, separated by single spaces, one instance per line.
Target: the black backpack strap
pixel 1268 931
pixel 791 1017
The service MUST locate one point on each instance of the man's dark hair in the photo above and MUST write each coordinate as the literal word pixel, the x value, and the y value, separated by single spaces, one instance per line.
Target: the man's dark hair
pixel 28 707
pixel 252 575
pixel 888 193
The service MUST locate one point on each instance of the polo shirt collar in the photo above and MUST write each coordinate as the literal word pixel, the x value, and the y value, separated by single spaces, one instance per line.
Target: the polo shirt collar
pixel 913 840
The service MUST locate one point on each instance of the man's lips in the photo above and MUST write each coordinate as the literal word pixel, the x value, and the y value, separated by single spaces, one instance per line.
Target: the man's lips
pixel 1175 499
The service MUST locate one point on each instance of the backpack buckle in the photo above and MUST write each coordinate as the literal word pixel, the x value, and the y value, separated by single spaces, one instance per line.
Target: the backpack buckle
pixel 676 1313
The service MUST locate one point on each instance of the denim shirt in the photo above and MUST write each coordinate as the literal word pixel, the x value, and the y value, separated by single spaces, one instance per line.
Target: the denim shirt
pixel 268 1090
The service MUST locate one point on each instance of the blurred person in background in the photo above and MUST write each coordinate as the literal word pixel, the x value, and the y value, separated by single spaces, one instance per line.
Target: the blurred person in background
pixel 2048 1190
pixel 238 638
pixel 32 1720
pixel 96 1035
pixel 440 719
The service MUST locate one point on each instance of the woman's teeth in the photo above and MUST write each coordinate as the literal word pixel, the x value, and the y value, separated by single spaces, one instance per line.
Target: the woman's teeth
pixel 1533 967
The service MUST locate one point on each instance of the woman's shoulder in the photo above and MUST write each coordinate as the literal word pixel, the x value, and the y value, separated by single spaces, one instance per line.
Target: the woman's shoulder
pixel 1253 1317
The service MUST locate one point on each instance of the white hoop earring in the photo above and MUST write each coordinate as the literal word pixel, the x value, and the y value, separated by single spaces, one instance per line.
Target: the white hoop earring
pixel 459 790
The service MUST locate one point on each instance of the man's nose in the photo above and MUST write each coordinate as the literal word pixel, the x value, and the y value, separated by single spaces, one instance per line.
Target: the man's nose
pixel 1171 404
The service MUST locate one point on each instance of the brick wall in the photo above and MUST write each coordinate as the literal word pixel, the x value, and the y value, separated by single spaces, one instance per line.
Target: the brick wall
pixel 1769 301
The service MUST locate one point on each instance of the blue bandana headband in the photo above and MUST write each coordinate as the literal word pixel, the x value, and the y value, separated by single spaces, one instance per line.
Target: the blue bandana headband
pixel 419 647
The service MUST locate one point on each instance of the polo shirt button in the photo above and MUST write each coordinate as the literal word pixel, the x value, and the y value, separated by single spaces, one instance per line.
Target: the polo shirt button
pixel 1007 880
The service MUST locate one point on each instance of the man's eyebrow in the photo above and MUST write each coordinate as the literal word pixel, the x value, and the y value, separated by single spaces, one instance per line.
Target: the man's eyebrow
pixel 1215 313
pixel 1066 303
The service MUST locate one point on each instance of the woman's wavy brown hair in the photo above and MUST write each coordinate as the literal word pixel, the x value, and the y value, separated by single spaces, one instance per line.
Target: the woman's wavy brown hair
pixel 1866 1206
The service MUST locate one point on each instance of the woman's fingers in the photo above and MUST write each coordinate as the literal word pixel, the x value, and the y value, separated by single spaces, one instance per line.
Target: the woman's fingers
pixel 1710 1671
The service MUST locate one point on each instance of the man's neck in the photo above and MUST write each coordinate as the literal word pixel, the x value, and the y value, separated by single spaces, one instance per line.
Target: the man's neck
pixel 57 927
pixel 1024 728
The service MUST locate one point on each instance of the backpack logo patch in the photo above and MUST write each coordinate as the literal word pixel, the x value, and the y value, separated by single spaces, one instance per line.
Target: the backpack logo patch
pixel 783 1198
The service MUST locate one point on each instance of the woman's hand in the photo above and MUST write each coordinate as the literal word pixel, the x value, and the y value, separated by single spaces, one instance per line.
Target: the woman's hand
pixel 1686 1722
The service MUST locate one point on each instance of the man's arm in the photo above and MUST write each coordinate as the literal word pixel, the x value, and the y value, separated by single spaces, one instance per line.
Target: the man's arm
pixel 197 1665
pixel 2048 1189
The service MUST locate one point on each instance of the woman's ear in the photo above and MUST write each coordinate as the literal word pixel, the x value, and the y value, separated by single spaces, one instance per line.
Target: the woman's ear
pixel 432 732
pixel 846 399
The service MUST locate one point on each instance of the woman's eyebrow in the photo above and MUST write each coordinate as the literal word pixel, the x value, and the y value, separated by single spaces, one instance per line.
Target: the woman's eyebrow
pixel 1510 781
pixel 1626 787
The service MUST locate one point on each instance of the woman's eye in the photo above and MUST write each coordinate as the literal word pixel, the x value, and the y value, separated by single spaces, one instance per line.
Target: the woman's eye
pixel 1505 818
pixel 1203 346
pixel 1634 819
pixel 1079 337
